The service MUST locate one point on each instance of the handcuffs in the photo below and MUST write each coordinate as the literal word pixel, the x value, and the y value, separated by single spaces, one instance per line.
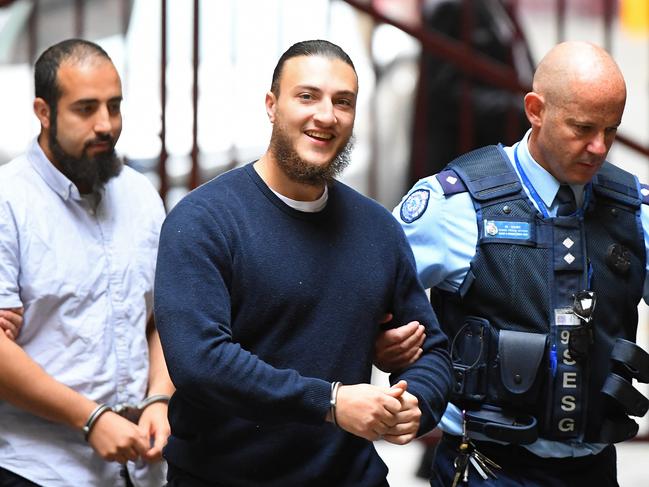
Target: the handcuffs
pixel 130 411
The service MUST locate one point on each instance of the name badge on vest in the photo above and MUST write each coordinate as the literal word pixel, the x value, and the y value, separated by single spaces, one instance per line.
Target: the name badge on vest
pixel 506 229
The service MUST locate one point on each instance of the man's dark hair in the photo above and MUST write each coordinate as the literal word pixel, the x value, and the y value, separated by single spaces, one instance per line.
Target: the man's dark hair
pixel 47 66
pixel 308 48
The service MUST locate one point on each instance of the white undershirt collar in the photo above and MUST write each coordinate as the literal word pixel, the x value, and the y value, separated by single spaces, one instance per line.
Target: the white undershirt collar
pixel 306 206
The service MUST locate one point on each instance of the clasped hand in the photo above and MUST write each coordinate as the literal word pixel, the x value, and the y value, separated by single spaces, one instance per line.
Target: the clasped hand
pixel 116 439
pixel 11 320
pixel 374 413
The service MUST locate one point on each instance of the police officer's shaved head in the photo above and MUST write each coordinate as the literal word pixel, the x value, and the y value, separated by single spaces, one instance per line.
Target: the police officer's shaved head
pixel 575 109
pixel 573 66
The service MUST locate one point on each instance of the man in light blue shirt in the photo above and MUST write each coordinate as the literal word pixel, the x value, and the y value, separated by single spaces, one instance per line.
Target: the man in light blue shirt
pixel 83 389
pixel 517 271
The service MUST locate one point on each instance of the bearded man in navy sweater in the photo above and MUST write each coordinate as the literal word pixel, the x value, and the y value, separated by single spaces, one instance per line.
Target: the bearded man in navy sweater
pixel 271 281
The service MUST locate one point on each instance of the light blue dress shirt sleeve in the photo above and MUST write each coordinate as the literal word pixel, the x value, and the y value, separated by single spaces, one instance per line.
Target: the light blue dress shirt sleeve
pixel 443 238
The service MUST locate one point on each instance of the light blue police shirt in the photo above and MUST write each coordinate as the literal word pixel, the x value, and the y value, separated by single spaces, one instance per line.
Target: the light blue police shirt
pixel 444 240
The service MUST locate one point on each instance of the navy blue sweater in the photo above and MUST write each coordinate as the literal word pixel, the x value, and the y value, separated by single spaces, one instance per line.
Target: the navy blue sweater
pixel 259 308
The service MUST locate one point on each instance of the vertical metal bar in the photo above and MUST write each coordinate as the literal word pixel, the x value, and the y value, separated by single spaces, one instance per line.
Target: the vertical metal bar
pixel 513 126
pixel 32 45
pixel 467 126
pixel 418 153
pixel 194 175
pixel 162 163
pixel 608 23
pixel 79 17
pixel 418 148
pixel 561 20
pixel 126 13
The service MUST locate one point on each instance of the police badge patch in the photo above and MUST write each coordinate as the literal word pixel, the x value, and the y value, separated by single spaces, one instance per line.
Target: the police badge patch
pixel 414 205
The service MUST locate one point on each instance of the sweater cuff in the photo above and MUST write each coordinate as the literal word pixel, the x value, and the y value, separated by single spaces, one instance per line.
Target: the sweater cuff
pixel 316 398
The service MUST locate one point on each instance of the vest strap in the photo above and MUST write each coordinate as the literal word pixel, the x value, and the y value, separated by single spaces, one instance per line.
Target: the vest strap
pixel 617 184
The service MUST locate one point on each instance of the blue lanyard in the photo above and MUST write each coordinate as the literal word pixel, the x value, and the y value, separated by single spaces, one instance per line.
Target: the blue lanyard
pixel 535 196
pixel 540 204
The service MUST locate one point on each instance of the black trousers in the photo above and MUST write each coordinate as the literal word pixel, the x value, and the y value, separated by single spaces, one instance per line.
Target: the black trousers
pixel 10 479
pixel 521 468
pixel 179 478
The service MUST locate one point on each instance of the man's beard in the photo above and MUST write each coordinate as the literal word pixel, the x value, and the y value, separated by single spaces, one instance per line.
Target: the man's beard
pixel 301 171
pixel 85 171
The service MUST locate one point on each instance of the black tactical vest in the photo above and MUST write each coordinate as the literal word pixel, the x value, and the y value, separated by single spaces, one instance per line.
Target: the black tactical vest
pixel 523 278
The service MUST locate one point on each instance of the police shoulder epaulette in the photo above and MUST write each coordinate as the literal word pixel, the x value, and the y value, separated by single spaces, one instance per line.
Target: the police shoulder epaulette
pixel 487 173
pixel 450 182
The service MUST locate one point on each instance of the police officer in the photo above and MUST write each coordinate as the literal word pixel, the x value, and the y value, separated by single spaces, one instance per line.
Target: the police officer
pixel 536 257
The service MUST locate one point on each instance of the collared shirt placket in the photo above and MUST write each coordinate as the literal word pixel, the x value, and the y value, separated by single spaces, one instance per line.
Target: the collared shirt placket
pixel 115 292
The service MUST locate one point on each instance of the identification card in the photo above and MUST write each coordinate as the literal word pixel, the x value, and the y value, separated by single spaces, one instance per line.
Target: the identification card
pixel 565 317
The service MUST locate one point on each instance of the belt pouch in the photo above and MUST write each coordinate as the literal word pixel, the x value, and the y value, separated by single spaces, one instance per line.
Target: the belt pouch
pixel 521 356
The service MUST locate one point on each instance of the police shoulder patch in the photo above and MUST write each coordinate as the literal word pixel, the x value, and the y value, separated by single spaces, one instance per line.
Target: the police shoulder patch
pixel 644 192
pixel 414 205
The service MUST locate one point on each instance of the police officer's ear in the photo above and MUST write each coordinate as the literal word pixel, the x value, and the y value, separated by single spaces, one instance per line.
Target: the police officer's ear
pixel 42 112
pixel 534 108
pixel 271 103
